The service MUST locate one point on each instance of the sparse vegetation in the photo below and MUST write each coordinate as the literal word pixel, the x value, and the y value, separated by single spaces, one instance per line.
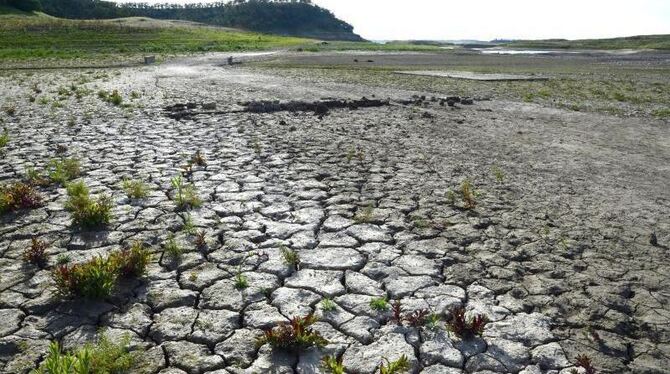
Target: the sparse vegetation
pixel 241 280
pixel 94 279
pixel 17 196
pixel 185 195
pixel 113 97
pixel 87 212
pixel 63 170
pixel 584 362
pixel 379 303
pixel 35 253
pixel 131 262
pixel 327 305
pixel 333 365
pixel 464 327
pixel 200 239
pixel 468 194
pixel 401 365
pixel 4 138
pixel 135 189
pixel 103 357
pixel 291 257
pixel 198 159
pixel 498 174
pixel 364 215
pixel 294 336
pixel 172 248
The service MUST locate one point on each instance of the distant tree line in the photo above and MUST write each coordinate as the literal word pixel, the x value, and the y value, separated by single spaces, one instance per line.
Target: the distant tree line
pixel 24 5
pixel 291 17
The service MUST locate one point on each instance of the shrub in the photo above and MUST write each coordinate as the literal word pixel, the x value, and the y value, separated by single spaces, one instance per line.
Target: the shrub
pixel 86 211
pixel 379 303
pixel 185 194
pixel 135 189
pixel 35 254
pixel 94 279
pixel 398 366
pixel 466 327
pixel 18 196
pixel 63 170
pixel 333 365
pixel 294 336
pixel 131 262
pixel 103 357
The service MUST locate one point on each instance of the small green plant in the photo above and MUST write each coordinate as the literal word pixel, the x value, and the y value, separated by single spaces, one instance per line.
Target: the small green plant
pixel 291 257
pixel 35 178
pixel 241 281
pixel 327 305
pixel 17 196
pixel 185 194
pixel 433 321
pixel 379 303
pixel 451 197
pixel 172 248
pixel 401 365
pixel 113 98
pixel 4 138
pixel 63 259
pixel 10 110
pixel 364 215
pixel 86 211
pixel 468 194
pixel 498 174
pixel 94 279
pixel 333 365
pixel 294 336
pixel 35 254
pixel 135 189
pixel 466 327
pixel 131 262
pixel 63 170
pixel 104 357
pixel 189 226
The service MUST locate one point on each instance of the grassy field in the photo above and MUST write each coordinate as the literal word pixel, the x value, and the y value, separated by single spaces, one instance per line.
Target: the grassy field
pixel 661 42
pixel 40 36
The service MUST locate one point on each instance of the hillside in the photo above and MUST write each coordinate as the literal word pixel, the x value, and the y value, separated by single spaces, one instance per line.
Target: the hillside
pixel 278 17
pixel 41 36
pixel 632 42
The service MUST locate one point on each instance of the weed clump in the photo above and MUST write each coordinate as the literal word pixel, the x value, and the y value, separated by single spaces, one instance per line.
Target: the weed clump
pixel 103 357
pixel 584 362
pixel 291 257
pixel 185 195
pixel 113 98
pixel 468 194
pixel 63 170
pixel 86 211
pixel 97 277
pixel 35 254
pixel 294 336
pixel 364 215
pixel 4 138
pixel 135 189
pixel 466 328
pixel 172 249
pixel 18 196
pixel 94 279
pixel 333 365
pixel 379 303
pixel 401 365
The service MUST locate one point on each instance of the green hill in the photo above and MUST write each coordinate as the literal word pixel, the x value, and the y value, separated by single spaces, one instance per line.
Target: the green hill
pixel 37 35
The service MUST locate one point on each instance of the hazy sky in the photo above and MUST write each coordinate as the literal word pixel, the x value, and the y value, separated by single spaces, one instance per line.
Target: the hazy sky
pixel 489 19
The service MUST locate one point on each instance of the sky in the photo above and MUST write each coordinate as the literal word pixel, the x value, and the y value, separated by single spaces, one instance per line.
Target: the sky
pixel 491 19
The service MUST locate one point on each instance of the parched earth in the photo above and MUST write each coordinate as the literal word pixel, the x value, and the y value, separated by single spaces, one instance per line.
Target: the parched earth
pixel 557 253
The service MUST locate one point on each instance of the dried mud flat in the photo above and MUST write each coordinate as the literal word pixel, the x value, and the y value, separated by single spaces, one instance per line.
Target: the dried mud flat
pixel 557 253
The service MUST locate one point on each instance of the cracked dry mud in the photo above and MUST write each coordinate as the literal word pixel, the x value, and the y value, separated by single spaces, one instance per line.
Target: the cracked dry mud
pixel 557 255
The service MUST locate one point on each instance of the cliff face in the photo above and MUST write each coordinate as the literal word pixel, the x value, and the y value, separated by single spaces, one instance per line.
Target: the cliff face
pixel 275 17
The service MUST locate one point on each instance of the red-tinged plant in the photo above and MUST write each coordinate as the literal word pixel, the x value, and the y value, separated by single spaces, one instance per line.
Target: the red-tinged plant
pixel 465 327
pixel 131 262
pixel 584 362
pixel 294 336
pixel 18 196
pixel 94 279
pixel 35 253
pixel 396 315
pixel 417 318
